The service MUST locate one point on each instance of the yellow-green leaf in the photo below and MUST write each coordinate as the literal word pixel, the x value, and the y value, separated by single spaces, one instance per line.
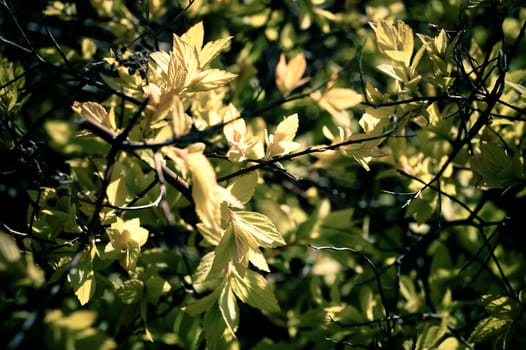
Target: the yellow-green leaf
pixel 289 76
pixel 243 187
pixel 281 142
pixel 253 289
pixel 211 50
pixel 131 291
pixel 258 227
pixel 488 328
pixel 204 190
pixel 95 112
pixel 228 307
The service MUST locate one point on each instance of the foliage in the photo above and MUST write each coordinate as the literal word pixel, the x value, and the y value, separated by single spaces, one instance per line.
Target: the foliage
pixel 242 174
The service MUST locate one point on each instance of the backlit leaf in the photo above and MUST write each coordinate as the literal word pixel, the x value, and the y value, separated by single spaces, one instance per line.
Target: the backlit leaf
pixel 341 99
pixel 243 187
pixel 210 79
pixel 258 227
pixel 204 190
pixel 281 142
pixel 228 307
pixel 289 75
pixel 212 49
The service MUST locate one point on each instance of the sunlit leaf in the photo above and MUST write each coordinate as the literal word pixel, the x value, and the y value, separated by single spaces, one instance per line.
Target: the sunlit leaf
pixel 82 277
pixel 204 190
pixel 281 141
pixel 212 49
pixel 228 307
pixel 258 227
pixel 289 75
pixel 210 79
pixel 95 112
pixel 487 329
pixel 243 187
pixel 253 289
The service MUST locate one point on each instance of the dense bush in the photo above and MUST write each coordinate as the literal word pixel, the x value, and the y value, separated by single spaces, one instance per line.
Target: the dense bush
pixel 262 174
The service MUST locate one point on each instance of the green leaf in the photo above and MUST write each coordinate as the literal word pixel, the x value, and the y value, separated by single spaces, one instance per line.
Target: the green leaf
pixel 496 167
pixel 254 290
pixel 131 291
pixel 203 304
pixel 431 335
pixel 82 277
pixel 488 328
pixel 217 334
pixel 155 287
pixel 205 276
pixel 501 307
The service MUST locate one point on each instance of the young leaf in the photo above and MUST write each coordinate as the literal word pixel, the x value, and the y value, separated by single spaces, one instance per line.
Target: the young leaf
pixel 95 112
pixel 288 76
pixel 281 141
pixel 126 240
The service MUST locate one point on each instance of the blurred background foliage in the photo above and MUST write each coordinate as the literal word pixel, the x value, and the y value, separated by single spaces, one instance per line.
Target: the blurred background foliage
pixel 440 270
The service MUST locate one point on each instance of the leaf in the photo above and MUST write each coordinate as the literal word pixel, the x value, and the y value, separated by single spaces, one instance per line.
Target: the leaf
pixel 131 291
pixel 281 142
pixel 397 42
pixel 9 251
pixel 204 304
pixel 501 307
pixel 243 187
pixel 394 72
pixel 82 277
pixel 117 190
pixel 431 335
pixel 212 49
pixel 228 307
pixel 496 167
pixel 76 321
pixel 253 289
pixel 126 240
pixel 204 190
pixel 258 227
pixel 88 48
pixel 122 233
pixel 209 79
pixel 218 335
pixel 257 258
pixel 155 288
pixel 288 76
pixel 200 275
pixel 195 35
pixel 184 63
pixel 95 112
pixel 341 99
pixel 488 328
